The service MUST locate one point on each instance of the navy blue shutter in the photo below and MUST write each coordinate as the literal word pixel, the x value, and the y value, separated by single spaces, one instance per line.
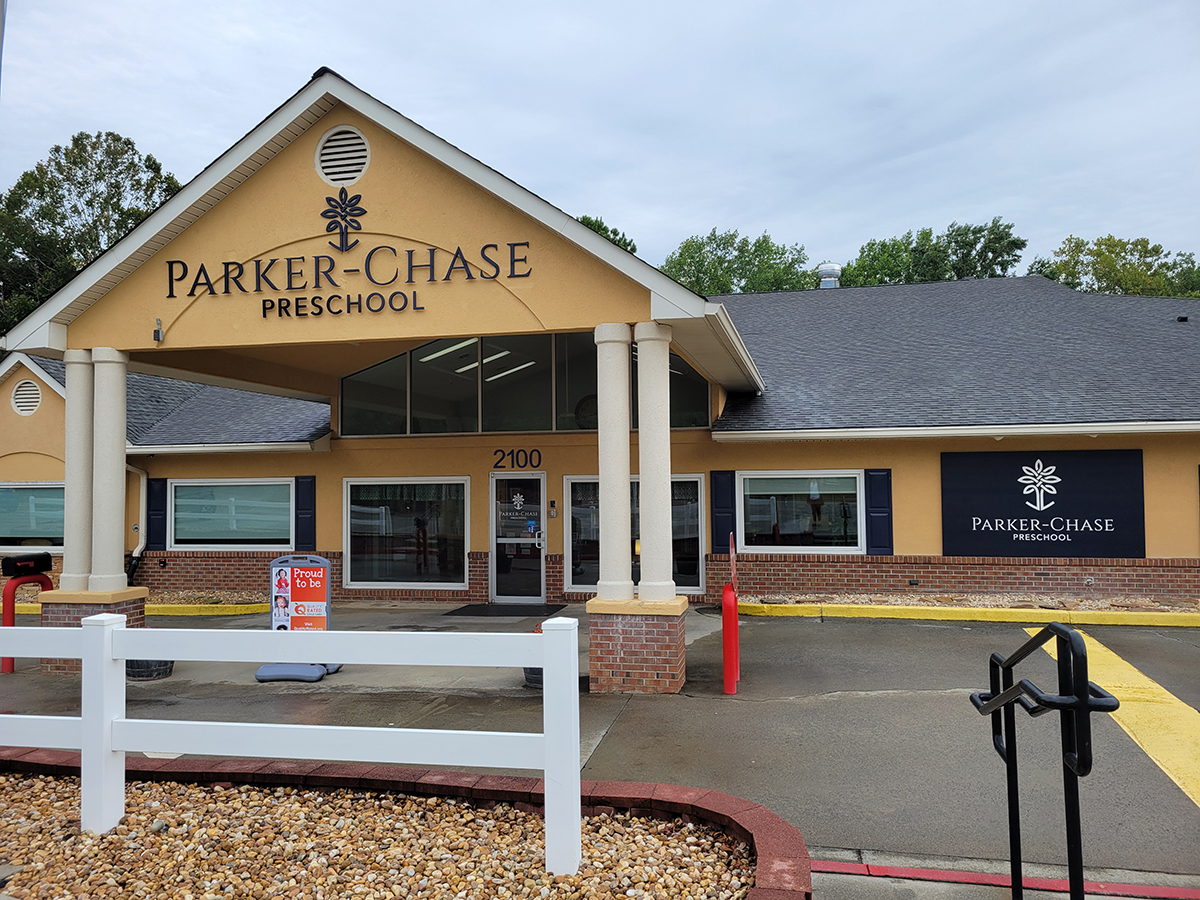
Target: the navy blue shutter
pixel 879 512
pixel 306 513
pixel 724 518
pixel 156 514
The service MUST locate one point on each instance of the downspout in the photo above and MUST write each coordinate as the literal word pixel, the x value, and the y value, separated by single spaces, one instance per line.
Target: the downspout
pixel 136 557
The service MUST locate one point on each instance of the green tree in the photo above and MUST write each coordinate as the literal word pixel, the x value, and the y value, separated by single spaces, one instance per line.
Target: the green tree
pixel 68 209
pixel 727 263
pixel 1112 265
pixel 619 238
pixel 961 251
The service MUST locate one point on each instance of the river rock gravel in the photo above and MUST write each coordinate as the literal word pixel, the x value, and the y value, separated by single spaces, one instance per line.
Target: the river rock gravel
pixel 191 842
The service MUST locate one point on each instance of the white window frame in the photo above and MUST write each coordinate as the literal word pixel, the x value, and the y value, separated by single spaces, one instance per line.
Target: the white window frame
pixel 568 583
pixel 290 546
pixel 740 504
pixel 13 549
pixel 464 480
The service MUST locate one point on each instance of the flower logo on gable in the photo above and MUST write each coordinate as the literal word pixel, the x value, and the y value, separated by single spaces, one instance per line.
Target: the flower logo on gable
pixel 343 214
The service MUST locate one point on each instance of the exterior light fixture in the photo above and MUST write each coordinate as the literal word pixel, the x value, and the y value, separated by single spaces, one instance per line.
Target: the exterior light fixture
pixel 158 331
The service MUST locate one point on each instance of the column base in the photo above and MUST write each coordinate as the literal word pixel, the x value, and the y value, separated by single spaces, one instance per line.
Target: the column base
pixel 67 609
pixel 636 646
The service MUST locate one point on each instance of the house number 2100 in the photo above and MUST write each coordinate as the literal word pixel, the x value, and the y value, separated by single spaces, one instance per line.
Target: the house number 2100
pixel 517 459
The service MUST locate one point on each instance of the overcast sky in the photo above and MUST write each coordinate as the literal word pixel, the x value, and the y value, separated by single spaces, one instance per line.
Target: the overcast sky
pixel 822 124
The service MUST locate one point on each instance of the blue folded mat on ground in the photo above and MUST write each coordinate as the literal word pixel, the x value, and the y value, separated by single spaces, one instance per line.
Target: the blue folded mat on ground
pixel 295 671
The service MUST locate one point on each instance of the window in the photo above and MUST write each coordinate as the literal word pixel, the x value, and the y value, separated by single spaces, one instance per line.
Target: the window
pixel 251 515
pixel 445 387
pixel 582 557
pixel 31 515
pixel 813 512
pixel 508 383
pixel 406 532
pixel 576 361
pixel 518 378
pixel 375 400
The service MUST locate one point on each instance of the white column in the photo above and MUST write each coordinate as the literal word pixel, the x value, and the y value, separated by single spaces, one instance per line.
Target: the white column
pixel 612 403
pixel 77 495
pixel 108 472
pixel 654 460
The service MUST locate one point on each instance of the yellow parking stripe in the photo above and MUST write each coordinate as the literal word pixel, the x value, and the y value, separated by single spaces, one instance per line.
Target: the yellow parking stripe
pixel 1165 727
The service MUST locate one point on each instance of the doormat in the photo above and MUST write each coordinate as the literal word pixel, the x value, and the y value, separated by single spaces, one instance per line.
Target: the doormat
pixel 506 610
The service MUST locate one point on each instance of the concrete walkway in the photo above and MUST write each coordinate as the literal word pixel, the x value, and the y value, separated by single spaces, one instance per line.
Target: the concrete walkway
pixel 858 731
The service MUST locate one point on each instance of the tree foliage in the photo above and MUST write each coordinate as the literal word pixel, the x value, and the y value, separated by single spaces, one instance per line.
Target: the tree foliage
pixel 619 238
pixel 728 263
pixel 961 251
pixel 1112 265
pixel 68 209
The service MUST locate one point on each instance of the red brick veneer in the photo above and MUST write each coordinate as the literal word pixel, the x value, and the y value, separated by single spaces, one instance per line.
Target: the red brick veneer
pixel 244 570
pixel 778 573
pixel 634 654
pixel 782 864
pixel 70 615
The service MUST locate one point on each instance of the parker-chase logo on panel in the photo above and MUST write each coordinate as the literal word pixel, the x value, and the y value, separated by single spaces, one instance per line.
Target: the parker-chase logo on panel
pixel 1080 503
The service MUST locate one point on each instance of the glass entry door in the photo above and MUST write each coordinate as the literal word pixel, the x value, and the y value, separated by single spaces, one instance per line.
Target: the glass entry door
pixel 518 558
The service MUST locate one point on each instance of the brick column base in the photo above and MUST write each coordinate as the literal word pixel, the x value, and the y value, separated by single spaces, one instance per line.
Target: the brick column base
pixel 633 653
pixel 68 609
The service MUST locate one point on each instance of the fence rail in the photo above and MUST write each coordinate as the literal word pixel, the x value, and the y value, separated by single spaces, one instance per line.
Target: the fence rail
pixel 103 734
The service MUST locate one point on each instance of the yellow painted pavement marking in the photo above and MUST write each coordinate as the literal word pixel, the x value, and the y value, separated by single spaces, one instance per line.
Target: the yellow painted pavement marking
pixel 1165 727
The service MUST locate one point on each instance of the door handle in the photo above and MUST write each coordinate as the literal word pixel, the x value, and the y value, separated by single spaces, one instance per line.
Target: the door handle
pixel 539 540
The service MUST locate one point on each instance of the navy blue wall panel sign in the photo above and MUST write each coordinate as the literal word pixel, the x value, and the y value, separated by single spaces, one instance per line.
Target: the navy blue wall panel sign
pixel 1082 503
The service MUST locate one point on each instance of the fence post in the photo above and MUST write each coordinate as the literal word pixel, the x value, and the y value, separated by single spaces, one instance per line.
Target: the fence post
pixel 560 725
pixel 101 769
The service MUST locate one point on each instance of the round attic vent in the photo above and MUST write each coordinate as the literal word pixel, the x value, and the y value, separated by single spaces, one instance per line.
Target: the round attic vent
pixel 26 398
pixel 343 154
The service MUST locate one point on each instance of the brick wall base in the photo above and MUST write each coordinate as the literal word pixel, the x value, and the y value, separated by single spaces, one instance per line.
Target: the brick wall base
pixel 238 570
pixel 784 573
pixel 70 615
pixel 630 654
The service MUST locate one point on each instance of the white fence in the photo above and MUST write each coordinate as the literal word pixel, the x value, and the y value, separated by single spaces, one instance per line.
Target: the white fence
pixel 103 734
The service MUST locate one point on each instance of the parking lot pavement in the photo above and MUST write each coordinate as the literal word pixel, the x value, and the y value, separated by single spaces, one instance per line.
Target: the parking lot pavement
pixel 859 731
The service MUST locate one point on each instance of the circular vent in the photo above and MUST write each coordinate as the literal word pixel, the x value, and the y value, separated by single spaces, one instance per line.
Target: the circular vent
pixel 343 154
pixel 26 397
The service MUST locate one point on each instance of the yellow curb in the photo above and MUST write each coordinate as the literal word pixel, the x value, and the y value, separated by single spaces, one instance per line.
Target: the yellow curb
pixel 779 609
pixel 972 614
pixel 176 609
pixel 209 609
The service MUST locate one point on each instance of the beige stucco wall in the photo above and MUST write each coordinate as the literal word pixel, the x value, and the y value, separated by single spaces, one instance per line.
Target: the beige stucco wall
pixel 31 447
pixel 1171 465
pixel 412 203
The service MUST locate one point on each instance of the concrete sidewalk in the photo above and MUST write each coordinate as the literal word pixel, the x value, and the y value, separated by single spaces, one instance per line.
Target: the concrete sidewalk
pixel 858 731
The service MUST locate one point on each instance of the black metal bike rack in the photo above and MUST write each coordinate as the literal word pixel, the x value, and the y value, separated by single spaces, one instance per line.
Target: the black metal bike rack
pixel 1076 700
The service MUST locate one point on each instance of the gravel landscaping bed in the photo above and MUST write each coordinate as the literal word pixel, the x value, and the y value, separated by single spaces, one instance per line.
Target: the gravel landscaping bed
pixel 993 601
pixel 196 842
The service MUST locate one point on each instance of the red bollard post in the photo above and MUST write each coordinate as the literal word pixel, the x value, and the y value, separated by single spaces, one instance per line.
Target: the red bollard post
pixel 9 616
pixel 731 655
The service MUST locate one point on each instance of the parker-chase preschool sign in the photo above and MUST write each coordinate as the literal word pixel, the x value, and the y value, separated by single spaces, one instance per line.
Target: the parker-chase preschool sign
pixel 390 274
pixel 1059 503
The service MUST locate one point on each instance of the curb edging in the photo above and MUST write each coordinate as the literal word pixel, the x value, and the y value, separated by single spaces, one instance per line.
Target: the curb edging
pixel 783 870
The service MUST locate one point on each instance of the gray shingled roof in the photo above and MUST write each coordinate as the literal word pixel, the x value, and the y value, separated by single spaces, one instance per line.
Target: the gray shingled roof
pixel 1002 351
pixel 165 411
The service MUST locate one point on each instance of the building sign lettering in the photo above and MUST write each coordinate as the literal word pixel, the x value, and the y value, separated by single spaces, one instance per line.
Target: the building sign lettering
pixel 383 266
pixel 1086 503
